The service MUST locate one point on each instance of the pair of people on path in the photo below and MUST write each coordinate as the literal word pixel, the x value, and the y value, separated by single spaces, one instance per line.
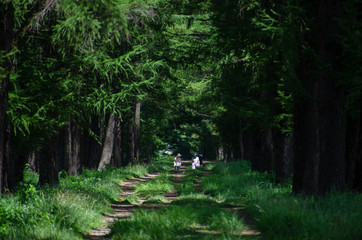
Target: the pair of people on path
pixel 197 160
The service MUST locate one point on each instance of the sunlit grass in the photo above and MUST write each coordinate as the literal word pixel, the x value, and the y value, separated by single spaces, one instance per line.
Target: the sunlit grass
pixel 157 199
pixel 191 216
pixel 161 184
pixel 72 208
pixel 180 222
pixel 187 186
pixel 279 214
pixel 67 210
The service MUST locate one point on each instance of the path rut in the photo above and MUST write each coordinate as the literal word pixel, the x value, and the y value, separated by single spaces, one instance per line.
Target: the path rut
pixel 125 210
pixel 128 188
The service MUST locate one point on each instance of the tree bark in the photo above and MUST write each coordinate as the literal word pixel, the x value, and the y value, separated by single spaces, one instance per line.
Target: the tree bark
pixel 92 149
pixel 354 153
pixel 332 165
pixel 283 155
pixel 9 166
pixel 118 143
pixel 108 144
pixel 137 125
pixel 352 148
pixel 33 161
pixel 306 148
pixel 73 144
pixel 319 119
pixel 49 162
pixel 6 42
pixel 261 152
pixel 241 143
pixel 134 133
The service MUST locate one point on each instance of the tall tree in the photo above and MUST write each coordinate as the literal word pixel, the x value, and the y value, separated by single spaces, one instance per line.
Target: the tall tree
pixel 319 116
pixel 6 45
pixel 108 144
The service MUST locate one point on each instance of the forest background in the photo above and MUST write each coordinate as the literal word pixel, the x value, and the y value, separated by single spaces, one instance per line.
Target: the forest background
pixel 91 84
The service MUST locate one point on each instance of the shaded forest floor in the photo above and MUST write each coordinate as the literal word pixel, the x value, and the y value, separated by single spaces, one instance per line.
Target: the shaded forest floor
pixel 125 209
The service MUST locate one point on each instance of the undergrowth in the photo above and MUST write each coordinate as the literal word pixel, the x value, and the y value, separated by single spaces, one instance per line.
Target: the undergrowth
pixel 76 204
pixel 66 210
pixel 279 214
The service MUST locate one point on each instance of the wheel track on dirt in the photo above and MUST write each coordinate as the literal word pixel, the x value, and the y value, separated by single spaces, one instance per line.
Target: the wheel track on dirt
pixel 123 211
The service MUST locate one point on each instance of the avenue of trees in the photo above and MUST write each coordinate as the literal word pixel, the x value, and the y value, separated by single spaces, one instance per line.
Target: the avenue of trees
pixel 93 84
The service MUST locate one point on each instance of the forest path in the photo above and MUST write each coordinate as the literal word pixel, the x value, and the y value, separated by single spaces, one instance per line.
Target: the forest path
pixel 120 210
pixel 125 210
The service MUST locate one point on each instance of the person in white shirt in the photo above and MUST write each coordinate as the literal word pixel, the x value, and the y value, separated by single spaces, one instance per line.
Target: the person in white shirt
pixel 195 161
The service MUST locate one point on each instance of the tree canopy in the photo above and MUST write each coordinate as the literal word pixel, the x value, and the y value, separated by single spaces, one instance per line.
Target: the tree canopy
pixel 277 83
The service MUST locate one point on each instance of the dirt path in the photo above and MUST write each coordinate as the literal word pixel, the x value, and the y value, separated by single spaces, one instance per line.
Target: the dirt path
pixel 120 210
pixel 128 188
pixel 125 210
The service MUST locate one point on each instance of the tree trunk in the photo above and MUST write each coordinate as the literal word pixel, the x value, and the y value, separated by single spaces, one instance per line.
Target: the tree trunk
pixel 306 148
pixel 261 152
pixel 354 153
pixel 241 143
pixel 6 41
pixel 137 130
pixel 10 171
pixel 118 143
pixel 134 133
pixel 33 161
pixel 283 155
pixel 92 148
pixel 331 98
pixel 352 148
pixel 319 119
pixel 49 162
pixel 108 144
pixel 73 138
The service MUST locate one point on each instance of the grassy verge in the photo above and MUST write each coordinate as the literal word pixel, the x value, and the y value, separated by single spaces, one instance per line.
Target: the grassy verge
pixel 280 215
pixel 68 209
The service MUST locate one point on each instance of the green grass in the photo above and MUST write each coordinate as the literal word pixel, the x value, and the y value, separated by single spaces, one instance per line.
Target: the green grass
pixel 279 214
pixel 156 199
pixel 76 204
pixel 192 216
pixel 67 210
pixel 187 185
pixel 179 222
pixel 161 184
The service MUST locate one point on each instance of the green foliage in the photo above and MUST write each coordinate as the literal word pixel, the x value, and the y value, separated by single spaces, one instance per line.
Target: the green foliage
pixel 64 211
pixel 29 176
pixel 49 215
pixel 161 164
pixel 280 215
pixel 297 218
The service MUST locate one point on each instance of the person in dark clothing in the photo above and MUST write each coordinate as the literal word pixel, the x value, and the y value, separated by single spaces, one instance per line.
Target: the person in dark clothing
pixel 201 158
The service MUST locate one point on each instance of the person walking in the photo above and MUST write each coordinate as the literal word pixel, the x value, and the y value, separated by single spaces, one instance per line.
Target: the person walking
pixel 195 161
pixel 177 162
